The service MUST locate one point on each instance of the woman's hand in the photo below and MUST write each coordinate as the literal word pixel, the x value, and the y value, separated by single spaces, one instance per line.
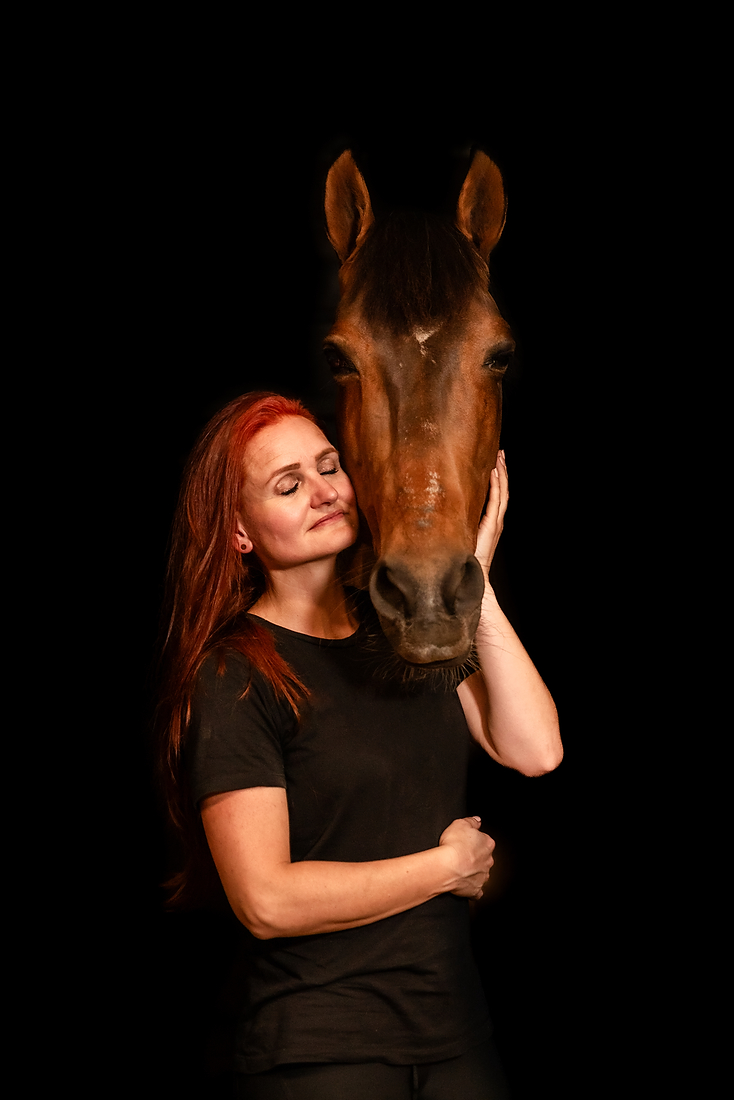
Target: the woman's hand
pixel 490 528
pixel 472 855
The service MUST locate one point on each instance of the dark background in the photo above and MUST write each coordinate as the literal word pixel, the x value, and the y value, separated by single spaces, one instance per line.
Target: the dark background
pixel 223 281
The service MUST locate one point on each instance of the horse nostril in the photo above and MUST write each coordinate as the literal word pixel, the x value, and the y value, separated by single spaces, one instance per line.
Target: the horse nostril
pixel 463 587
pixel 387 596
pixel 450 588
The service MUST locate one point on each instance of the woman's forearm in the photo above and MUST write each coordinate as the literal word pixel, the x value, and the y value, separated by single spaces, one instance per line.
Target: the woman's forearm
pixel 248 836
pixel 508 708
pixel 302 899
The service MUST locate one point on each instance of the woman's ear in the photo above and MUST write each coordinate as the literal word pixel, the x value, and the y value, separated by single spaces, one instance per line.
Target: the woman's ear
pixel 242 541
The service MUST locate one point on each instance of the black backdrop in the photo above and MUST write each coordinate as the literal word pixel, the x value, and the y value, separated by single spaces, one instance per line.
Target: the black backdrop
pixel 225 283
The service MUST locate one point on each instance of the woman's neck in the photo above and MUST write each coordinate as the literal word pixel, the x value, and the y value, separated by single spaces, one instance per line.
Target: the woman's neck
pixel 308 603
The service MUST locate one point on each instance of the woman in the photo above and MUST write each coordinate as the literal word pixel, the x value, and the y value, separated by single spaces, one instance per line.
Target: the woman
pixel 331 798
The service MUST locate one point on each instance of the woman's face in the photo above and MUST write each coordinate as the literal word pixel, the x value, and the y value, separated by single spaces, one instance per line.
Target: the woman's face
pixel 298 505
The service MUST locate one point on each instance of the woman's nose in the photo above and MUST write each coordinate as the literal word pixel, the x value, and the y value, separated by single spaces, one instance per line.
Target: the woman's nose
pixel 324 492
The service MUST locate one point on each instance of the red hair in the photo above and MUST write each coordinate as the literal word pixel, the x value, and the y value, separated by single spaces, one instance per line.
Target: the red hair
pixel 210 585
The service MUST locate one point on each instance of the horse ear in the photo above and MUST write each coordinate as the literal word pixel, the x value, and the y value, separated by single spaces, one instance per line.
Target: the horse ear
pixel 480 214
pixel 348 207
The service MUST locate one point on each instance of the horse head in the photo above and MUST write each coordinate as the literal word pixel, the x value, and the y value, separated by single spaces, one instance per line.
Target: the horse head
pixel 418 350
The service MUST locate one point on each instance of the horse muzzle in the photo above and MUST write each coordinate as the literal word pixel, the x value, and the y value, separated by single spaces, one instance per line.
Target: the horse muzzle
pixel 429 611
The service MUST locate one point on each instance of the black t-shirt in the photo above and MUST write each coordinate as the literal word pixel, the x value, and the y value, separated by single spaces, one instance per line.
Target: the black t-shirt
pixel 373 770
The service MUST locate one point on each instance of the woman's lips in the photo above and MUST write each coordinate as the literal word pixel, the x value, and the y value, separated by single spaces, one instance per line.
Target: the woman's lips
pixel 328 519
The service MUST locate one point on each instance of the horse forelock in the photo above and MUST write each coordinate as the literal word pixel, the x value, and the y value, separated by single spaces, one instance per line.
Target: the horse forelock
pixel 413 271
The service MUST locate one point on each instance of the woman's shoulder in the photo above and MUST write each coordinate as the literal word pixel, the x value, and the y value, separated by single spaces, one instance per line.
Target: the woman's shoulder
pixel 224 661
pixel 235 729
pixel 224 672
pixel 229 688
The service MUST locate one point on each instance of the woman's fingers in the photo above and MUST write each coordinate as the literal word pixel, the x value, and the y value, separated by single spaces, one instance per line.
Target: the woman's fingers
pixel 504 484
pixel 490 527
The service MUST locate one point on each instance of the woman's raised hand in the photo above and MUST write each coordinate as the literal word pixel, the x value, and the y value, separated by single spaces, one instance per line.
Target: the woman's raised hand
pixel 472 852
pixel 490 528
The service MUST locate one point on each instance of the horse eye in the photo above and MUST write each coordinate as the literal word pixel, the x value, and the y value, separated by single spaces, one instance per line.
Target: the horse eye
pixel 340 366
pixel 499 363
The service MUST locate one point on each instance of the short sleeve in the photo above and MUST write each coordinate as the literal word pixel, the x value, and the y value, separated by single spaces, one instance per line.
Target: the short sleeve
pixel 234 742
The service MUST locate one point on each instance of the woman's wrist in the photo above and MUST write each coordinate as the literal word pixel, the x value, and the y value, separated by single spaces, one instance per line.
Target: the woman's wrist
pixel 492 618
pixel 448 878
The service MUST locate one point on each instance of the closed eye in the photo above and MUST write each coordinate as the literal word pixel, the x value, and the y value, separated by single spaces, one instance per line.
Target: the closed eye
pixel 332 467
pixel 328 462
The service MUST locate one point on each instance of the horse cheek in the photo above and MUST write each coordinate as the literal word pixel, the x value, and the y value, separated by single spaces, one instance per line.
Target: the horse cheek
pixel 349 417
pixel 487 447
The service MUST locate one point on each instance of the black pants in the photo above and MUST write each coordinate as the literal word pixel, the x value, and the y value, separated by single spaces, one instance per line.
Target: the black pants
pixel 476 1075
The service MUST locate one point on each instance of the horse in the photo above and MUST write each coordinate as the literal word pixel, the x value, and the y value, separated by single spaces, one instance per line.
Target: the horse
pixel 418 350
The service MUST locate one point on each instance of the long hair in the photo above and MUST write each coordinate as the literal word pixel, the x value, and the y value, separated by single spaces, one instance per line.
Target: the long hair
pixel 210 585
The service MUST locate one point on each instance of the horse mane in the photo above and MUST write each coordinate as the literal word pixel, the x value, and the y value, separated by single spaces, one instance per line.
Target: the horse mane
pixel 414 270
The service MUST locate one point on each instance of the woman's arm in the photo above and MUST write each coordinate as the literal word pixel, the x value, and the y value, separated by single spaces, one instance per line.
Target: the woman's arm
pixel 508 708
pixel 248 834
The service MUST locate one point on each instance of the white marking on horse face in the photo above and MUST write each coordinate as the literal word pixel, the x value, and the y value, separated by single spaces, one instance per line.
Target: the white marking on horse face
pixel 432 491
pixel 422 502
pixel 434 486
pixel 422 334
pixel 430 427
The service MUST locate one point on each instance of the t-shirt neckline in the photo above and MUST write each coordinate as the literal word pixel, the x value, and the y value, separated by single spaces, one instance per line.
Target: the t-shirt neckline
pixel 351 639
